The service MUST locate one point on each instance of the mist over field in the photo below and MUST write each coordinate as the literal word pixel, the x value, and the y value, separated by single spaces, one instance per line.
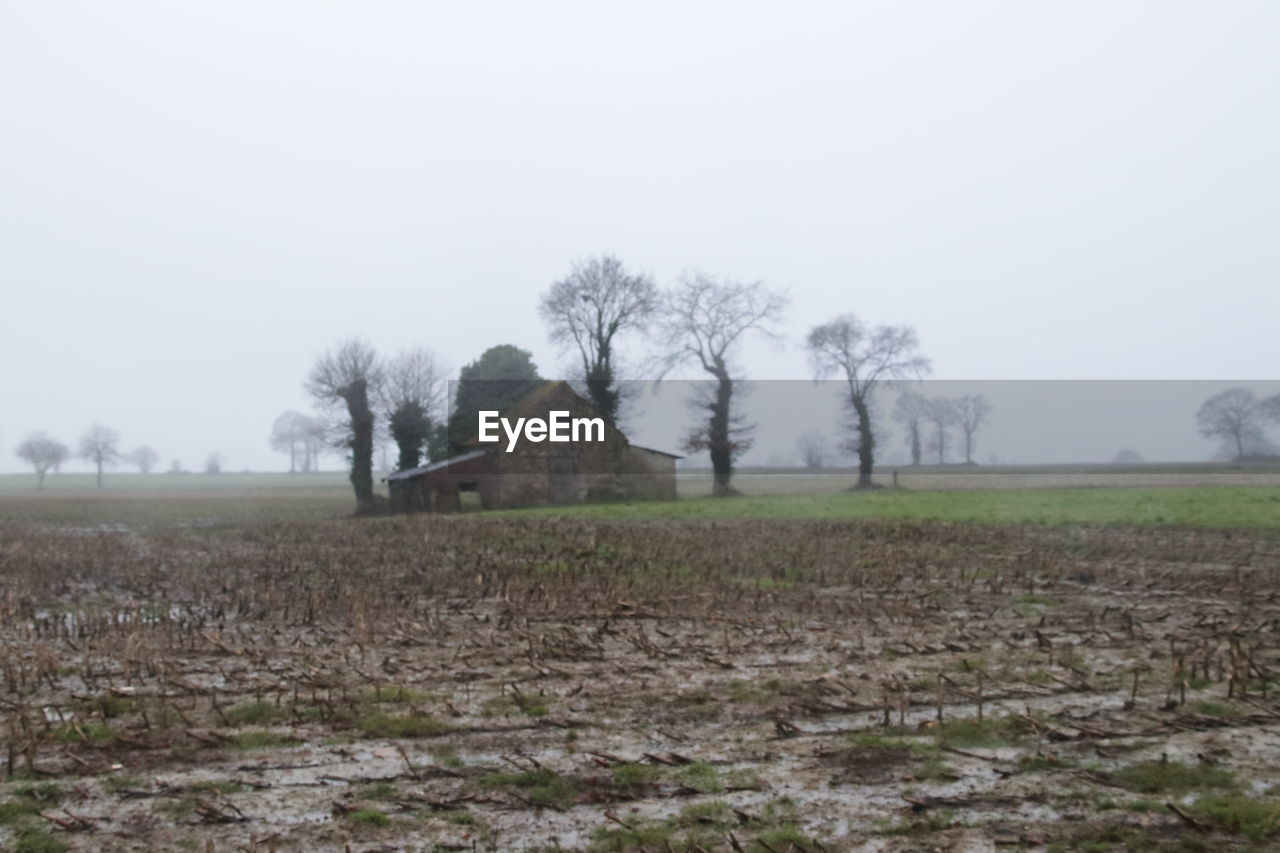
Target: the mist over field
pixel 198 201
pixel 929 491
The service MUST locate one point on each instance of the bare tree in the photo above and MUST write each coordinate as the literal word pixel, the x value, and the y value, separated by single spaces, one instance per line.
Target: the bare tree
pixel 910 411
pixel 940 413
pixel 867 359
pixel 413 399
pixel 814 449
pixel 1269 408
pixel 101 446
pixel 289 434
pixel 971 412
pixel 1232 415
pixel 145 458
pixel 703 321
pixel 315 439
pixel 588 309
pixel 347 377
pixel 213 463
pixel 43 454
pixel 1127 456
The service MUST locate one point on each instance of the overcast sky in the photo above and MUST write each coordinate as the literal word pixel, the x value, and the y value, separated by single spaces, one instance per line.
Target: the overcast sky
pixel 198 198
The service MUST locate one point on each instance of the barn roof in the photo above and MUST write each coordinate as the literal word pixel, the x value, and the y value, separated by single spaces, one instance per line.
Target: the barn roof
pixel 657 451
pixel 409 473
pixel 531 404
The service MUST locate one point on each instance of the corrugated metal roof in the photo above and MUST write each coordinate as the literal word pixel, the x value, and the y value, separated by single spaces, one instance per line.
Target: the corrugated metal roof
pixel 436 466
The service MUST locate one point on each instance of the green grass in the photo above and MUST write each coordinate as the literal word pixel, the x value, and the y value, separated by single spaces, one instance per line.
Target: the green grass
pixel 701 777
pixel 22 814
pixel 37 839
pixel 1199 506
pixel 252 713
pixel 635 774
pixel 542 787
pixel 398 726
pixel 1211 708
pixel 1152 777
pixel 87 732
pixel 15 810
pixel 990 733
pixel 369 817
pixel 1253 818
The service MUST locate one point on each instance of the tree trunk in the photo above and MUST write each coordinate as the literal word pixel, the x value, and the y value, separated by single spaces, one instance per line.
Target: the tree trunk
pixel 99 473
pixel 915 444
pixel 40 480
pixel 604 397
pixel 719 439
pixel 357 399
pixel 866 443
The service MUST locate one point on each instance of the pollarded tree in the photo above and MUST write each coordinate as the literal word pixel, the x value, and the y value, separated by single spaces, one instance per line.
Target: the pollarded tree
pixel 703 321
pixel 866 359
pixel 972 411
pixel 588 310
pixel 344 380
pixel 43 454
pixel 910 410
pixel 1234 417
pixel 414 396
pixel 144 457
pixel 101 446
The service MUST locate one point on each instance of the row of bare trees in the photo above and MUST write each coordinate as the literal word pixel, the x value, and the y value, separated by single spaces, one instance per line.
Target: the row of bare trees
pixel 931 420
pixel 702 321
pixel 99 445
pixel 353 384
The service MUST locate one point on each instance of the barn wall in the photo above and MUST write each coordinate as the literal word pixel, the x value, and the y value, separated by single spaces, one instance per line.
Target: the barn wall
pixel 649 475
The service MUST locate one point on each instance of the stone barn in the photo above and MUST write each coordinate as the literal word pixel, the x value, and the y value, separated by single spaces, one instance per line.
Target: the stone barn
pixel 539 473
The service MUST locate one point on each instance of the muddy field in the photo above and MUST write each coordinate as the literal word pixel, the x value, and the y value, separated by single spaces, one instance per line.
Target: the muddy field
pixel 508 684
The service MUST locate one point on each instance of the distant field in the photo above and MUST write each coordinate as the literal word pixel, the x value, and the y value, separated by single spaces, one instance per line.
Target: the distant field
pixel 132 482
pixel 1255 507
pixel 1197 496
pixel 801 481
pixel 166 500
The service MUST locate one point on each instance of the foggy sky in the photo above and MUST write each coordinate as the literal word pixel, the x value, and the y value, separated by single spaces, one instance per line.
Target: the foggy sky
pixel 197 199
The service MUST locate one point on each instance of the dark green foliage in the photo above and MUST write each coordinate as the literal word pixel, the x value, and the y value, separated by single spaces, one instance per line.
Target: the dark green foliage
pixel 493 382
